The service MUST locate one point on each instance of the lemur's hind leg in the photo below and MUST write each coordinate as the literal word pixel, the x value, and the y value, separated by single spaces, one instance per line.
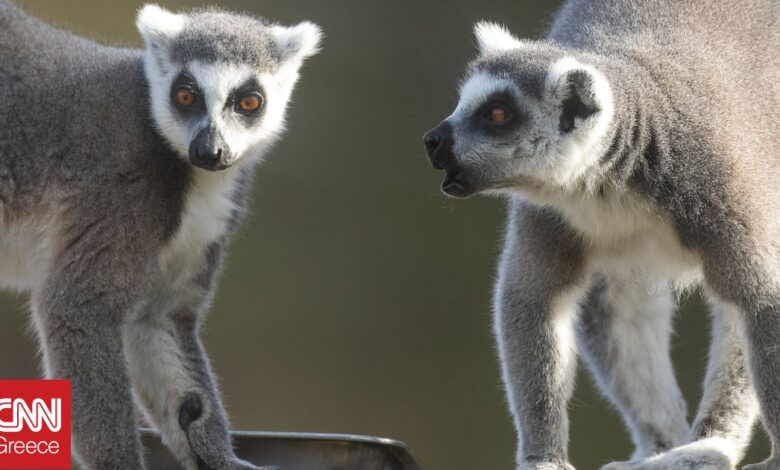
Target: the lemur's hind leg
pixel 80 312
pixel 624 332
pixel 763 333
pixel 723 424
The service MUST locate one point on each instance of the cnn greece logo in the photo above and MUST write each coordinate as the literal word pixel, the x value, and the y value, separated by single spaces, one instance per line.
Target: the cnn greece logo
pixel 34 424
pixel 34 417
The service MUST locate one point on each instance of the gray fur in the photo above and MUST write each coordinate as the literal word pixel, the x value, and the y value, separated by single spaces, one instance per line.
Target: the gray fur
pixel 94 203
pixel 648 131
pixel 224 36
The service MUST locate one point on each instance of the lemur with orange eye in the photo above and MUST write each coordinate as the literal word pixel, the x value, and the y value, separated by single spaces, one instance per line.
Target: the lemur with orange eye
pixel 638 147
pixel 117 222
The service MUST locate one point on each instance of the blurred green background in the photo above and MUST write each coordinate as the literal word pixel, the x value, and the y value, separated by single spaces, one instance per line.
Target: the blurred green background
pixel 357 298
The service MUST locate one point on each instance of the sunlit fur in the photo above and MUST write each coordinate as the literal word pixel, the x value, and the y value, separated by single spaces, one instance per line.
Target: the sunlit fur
pixel 642 159
pixel 116 229
pixel 216 80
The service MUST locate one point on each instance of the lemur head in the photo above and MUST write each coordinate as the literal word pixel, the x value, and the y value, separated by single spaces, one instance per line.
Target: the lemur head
pixel 529 114
pixel 220 82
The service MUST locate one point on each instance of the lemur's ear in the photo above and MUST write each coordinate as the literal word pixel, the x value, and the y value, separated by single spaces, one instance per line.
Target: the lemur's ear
pixel 297 42
pixel 579 91
pixel 158 25
pixel 492 37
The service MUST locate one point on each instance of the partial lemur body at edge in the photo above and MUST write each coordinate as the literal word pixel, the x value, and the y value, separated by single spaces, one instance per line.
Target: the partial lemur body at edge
pixel 639 147
pixel 116 235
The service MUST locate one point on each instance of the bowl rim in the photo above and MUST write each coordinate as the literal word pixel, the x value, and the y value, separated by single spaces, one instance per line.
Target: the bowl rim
pixel 397 448
pixel 314 436
pixel 321 436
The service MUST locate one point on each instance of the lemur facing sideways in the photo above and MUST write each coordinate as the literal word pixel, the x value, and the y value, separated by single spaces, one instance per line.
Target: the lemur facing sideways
pixel 639 147
pixel 115 216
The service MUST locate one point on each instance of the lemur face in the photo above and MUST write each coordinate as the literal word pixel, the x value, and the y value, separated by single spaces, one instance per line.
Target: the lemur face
pixel 220 82
pixel 527 115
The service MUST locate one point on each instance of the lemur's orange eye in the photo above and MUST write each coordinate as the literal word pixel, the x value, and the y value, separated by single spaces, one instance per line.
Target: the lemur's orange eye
pixel 185 97
pixel 249 103
pixel 498 114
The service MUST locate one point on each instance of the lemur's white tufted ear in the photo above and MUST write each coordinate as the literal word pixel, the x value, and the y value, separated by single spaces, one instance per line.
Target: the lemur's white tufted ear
pixel 156 24
pixel 492 37
pixel 297 42
pixel 581 92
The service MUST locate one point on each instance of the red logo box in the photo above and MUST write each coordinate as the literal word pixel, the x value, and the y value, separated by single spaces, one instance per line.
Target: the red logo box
pixel 35 424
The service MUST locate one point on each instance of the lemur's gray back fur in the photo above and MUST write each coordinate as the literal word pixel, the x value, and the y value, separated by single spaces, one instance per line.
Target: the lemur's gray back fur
pixel 640 148
pixel 55 150
pixel 115 228
pixel 714 129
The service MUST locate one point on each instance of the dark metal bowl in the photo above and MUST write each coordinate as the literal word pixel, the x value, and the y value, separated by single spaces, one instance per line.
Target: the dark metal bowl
pixel 302 451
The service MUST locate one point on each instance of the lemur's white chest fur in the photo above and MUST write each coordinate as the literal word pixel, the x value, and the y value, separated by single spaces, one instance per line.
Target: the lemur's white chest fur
pixel 627 236
pixel 208 207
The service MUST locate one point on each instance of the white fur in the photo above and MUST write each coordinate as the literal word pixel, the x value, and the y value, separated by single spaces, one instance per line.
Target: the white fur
pixel 476 89
pixel 205 219
pixel 579 153
pixel 156 23
pixel 492 38
pixel 564 311
pixel 641 380
pixel 159 374
pixel 706 454
pixel 627 235
pixel 297 42
pixel 160 74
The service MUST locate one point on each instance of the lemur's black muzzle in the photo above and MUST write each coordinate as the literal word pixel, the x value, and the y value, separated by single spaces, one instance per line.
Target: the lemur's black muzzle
pixel 438 144
pixel 209 151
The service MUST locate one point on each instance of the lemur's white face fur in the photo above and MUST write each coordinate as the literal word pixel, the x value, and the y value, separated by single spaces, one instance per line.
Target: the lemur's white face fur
pixel 220 82
pixel 528 115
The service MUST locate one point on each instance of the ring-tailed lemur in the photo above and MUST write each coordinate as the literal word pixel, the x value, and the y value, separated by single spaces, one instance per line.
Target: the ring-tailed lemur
pixel 116 216
pixel 639 147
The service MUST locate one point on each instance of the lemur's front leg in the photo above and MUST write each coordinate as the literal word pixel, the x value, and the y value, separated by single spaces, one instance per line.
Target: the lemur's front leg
pixel 541 279
pixel 172 378
pixel 174 383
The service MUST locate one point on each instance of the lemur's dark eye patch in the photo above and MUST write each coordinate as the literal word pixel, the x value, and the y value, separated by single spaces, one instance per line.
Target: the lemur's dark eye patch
pixel 248 99
pixel 499 108
pixel 185 93
pixel 499 112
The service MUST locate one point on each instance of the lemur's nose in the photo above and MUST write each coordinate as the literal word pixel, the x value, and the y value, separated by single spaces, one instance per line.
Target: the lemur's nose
pixel 207 150
pixel 438 145
pixel 432 140
pixel 207 156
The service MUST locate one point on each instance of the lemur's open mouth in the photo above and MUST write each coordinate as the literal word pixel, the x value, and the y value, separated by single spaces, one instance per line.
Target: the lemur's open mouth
pixel 455 183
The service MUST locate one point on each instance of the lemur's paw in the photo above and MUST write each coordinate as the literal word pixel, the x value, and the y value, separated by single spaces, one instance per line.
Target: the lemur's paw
pixel 544 466
pixel 706 454
pixel 208 438
pixel 771 464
